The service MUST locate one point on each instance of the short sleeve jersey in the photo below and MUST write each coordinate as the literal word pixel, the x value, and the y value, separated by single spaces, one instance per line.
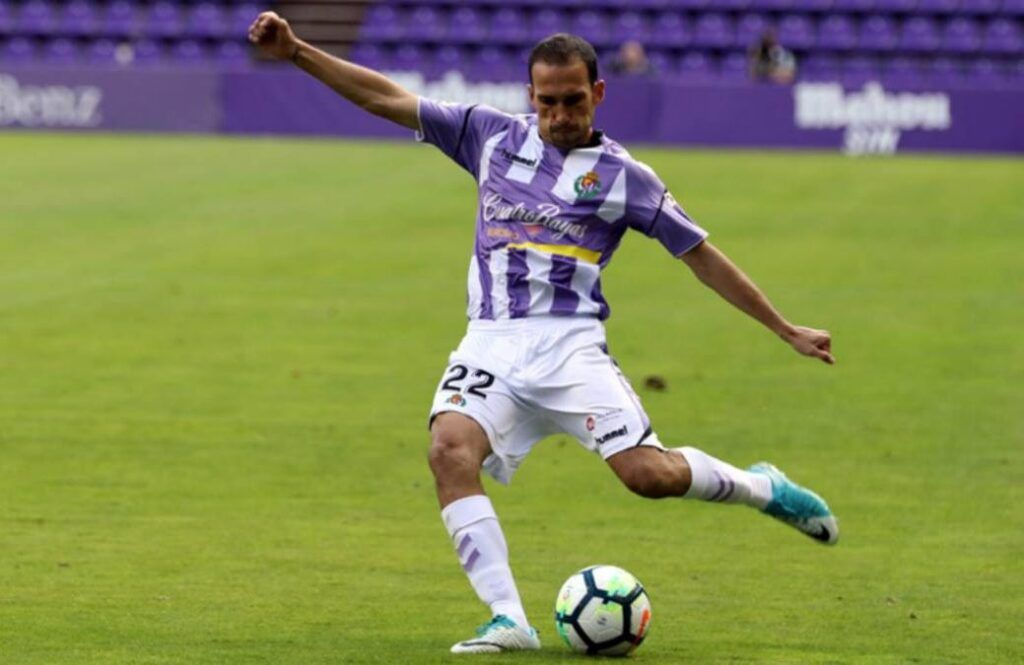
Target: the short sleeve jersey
pixel 548 220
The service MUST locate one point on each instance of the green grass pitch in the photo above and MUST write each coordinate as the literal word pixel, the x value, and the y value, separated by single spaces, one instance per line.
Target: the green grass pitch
pixel 216 358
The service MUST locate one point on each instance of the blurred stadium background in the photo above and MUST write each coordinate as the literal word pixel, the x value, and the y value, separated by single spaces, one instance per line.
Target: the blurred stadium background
pixel 871 75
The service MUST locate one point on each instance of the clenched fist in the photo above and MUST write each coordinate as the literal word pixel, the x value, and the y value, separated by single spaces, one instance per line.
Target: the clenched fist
pixel 274 36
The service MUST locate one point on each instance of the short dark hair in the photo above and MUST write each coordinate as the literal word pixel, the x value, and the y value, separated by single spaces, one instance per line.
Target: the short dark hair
pixel 562 49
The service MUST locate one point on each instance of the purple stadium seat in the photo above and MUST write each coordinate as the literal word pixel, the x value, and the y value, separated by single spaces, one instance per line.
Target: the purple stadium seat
pixel 672 30
pixel 851 6
pixel 147 52
pixel 796 32
pixel 776 6
pixel 368 55
pixel 426 24
pixel 919 35
pixel 859 69
pixel 901 68
pixel 961 35
pixel 508 26
pixel 450 57
pixel 1013 7
pixel 749 29
pixel 819 67
pixel 240 18
pixel 592 26
pixel 188 52
pixel 713 31
pixel 37 17
pixel 895 6
pixel 6 19
pixel 121 19
pixel 61 50
pixel 878 33
pixel 695 65
pixel 986 72
pixel 79 19
pixel 408 57
pixel 382 23
pixel 733 5
pixel 547 22
pixel 18 49
pixel 206 20
pixel 231 52
pixel 101 51
pixel 943 71
pixel 837 32
pixel 466 26
pixel 734 67
pixel 631 26
pixel 817 6
pixel 164 20
pixel 937 6
pixel 1003 36
pixel 981 7
pixel 694 5
pixel 662 62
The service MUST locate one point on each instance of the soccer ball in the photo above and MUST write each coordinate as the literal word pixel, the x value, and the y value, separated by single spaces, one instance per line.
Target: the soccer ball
pixel 602 610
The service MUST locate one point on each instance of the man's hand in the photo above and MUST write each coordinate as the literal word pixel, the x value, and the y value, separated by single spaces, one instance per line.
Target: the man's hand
pixel 811 342
pixel 274 36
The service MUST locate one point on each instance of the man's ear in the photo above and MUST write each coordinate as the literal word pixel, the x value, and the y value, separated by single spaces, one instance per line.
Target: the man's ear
pixel 599 92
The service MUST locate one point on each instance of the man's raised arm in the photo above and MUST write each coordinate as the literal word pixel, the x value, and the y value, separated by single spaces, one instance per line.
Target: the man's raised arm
pixel 716 270
pixel 363 87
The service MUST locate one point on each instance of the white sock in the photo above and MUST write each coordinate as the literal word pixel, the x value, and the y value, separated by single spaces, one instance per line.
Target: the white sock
pixel 483 553
pixel 715 480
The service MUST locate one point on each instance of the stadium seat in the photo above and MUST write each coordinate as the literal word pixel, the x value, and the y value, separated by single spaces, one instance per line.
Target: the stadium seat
pixel 713 31
pixel 62 51
pixel 901 69
pixel 6 20
pixel 961 35
pixel 206 20
pixel 981 7
pixel 240 18
pixel 695 65
pixel 733 5
pixel 749 29
pixel 796 31
pixel 1003 36
pixel 592 26
pixel 734 67
pixel 147 52
pixel 853 6
pixel 466 26
pixel 426 25
pixel 819 66
pixel 120 19
pixel 919 35
pixel 37 17
pixel 101 51
pixel 546 22
pixel 631 26
pixel 231 52
pixel 673 29
pixel 382 24
pixel 895 6
pixel 878 33
pixel 79 19
pixel 508 26
pixel 837 32
pixel 164 20
pixel 1013 7
pixel 189 52
pixel 859 69
pixel 937 6
pixel 18 49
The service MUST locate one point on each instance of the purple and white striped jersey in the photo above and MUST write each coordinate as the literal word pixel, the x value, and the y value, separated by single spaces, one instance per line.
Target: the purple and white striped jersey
pixel 548 219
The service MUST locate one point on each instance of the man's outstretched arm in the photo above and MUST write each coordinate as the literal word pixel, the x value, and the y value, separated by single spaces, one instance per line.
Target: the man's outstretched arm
pixel 716 270
pixel 363 87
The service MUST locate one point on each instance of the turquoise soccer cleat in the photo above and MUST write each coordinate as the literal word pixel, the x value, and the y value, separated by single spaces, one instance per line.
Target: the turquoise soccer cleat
pixel 500 634
pixel 798 506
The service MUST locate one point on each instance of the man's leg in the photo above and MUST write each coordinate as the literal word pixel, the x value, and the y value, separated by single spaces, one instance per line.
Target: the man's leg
pixel 655 472
pixel 458 449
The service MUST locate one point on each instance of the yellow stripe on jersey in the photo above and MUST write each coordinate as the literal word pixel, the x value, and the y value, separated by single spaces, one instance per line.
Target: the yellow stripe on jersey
pixel 588 255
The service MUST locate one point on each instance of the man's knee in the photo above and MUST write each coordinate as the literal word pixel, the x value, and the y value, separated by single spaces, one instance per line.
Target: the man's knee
pixel 458 446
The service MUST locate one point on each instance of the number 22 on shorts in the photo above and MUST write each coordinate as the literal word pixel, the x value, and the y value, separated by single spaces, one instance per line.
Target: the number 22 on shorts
pixel 456 374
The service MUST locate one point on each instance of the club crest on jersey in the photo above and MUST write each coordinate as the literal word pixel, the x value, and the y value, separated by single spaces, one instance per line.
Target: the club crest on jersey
pixel 588 185
pixel 457 399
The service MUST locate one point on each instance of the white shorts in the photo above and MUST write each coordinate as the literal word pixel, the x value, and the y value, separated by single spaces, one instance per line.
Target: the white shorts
pixel 525 379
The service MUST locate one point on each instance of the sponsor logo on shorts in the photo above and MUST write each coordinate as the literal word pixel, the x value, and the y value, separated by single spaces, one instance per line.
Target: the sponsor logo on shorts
pixel 614 434
pixel 591 423
pixel 457 399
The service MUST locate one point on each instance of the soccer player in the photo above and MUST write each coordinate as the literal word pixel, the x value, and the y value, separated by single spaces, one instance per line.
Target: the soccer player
pixel 555 198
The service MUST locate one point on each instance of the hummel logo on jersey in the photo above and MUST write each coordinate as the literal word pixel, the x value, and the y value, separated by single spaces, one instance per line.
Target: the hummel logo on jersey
pixel 507 154
pixel 614 434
